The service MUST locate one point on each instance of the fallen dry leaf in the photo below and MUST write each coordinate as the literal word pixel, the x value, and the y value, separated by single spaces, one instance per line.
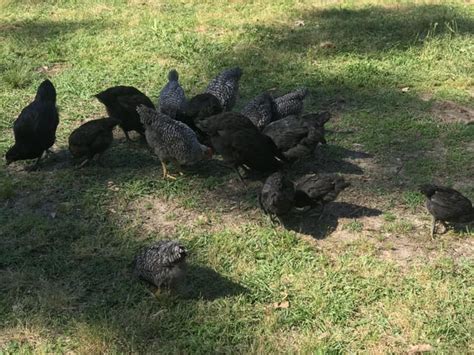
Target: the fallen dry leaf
pixel 299 23
pixel 405 89
pixel 327 44
pixel 420 348
pixel 281 305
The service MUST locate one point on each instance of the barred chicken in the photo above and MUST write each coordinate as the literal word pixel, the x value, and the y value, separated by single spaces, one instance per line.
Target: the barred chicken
pixel 35 127
pixel 297 137
pixel 277 197
pixel 92 139
pixel 162 264
pixel 225 87
pixel 447 205
pixel 291 103
pixel 241 143
pixel 121 103
pixel 261 110
pixel 172 97
pixel 171 140
pixel 318 190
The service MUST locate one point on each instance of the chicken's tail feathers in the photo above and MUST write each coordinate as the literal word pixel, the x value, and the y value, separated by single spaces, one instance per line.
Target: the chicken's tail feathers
pixel 234 72
pixel 173 75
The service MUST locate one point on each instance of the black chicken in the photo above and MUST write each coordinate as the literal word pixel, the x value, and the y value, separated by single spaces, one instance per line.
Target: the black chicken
pixel 318 190
pixel 35 127
pixel 241 143
pixel 92 138
pixel 162 264
pixel 121 103
pixel 447 205
pixel 277 196
pixel 296 136
pixel 199 107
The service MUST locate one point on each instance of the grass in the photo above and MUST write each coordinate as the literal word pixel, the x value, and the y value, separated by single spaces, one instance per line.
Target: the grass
pixel 67 237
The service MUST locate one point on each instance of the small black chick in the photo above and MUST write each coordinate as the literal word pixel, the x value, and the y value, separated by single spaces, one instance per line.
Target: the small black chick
pixel 92 138
pixel 447 205
pixel 162 264
pixel 296 136
pixel 277 196
pixel 172 97
pixel 121 103
pixel 240 143
pixel 35 127
pixel 225 87
pixel 291 103
pixel 261 110
pixel 318 189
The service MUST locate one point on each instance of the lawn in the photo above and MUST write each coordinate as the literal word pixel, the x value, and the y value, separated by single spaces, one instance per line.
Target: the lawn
pixel 398 78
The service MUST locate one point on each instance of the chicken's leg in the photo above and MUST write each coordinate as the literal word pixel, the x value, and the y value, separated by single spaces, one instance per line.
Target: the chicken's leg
pixel 433 226
pixel 165 172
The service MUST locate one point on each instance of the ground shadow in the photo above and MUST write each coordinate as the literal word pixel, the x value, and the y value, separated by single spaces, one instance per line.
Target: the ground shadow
pixel 203 283
pixel 319 227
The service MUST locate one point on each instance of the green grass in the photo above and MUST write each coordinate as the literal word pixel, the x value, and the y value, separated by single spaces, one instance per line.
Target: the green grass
pixel 67 237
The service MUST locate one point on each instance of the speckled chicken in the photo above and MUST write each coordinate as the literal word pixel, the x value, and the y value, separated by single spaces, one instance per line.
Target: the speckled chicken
pixel 261 110
pixel 318 189
pixel 225 87
pixel 447 205
pixel 291 103
pixel 121 103
pixel 92 139
pixel 240 143
pixel 297 137
pixel 277 196
pixel 172 97
pixel 35 127
pixel 162 264
pixel 171 140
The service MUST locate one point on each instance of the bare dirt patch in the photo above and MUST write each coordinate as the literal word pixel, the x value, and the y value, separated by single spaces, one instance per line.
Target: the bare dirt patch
pixel 451 112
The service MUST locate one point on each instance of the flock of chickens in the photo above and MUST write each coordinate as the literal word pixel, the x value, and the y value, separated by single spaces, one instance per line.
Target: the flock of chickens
pixel 266 136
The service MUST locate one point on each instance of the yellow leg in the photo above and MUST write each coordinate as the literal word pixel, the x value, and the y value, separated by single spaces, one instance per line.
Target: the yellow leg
pixel 165 172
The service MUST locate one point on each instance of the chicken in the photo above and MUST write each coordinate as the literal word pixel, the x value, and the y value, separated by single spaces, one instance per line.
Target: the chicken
pixel 298 137
pixel 121 103
pixel 277 195
pixel 291 103
pixel 318 190
pixel 171 140
pixel 162 264
pixel 35 127
pixel 225 87
pixel 172 97
pixel 261 110
pixel 241 143
pixel 92 138
pixel 447 205
pixel 200 107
